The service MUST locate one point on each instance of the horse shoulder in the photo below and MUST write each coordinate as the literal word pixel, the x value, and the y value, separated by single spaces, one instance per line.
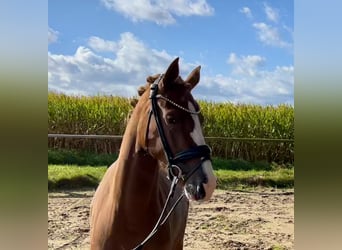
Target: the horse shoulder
pixel 102 207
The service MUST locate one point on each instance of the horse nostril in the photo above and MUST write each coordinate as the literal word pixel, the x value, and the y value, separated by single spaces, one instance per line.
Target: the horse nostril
pixel 190 188
pixel 205 179
pixel 196 191
pixel 200 192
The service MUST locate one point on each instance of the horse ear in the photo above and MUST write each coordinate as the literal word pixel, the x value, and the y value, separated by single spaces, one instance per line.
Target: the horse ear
pixel 193 78
pixel 171 73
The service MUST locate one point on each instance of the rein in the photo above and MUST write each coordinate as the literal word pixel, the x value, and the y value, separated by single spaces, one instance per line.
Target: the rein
pixel 175 172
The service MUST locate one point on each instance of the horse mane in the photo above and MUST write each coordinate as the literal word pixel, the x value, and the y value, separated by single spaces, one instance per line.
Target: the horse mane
pixel 142 89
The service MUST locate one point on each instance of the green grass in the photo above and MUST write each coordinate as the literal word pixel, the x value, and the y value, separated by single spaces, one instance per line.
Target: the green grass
pixel 277 247
pixel 83 158
pixel 72 169
pixel 80 158
pixel 281 178
pixel 240 164
pixel 72 176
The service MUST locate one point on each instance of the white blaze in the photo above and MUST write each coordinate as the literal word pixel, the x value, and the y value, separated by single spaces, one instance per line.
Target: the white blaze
pixel 197 136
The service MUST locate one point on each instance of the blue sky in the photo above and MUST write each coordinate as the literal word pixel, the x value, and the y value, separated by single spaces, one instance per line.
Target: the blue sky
pixel 109 47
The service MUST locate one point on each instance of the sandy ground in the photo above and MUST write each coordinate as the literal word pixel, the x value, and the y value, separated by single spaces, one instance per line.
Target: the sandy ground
pixel 258 219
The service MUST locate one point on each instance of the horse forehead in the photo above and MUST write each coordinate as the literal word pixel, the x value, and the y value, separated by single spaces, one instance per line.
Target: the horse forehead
pixel 179 80
pixel 192 104
pixel 181 97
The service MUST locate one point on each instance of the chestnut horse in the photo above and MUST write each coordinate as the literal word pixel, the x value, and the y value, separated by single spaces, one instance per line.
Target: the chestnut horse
pixel 157 154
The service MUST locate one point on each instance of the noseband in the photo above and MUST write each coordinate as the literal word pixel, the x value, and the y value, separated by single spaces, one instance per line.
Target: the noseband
pixel 174 161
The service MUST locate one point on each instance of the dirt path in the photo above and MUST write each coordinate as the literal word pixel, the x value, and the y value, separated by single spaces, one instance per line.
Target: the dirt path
pixel 260 219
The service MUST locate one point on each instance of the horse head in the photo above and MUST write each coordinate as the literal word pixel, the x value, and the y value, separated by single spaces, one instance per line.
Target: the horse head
pixel 174 136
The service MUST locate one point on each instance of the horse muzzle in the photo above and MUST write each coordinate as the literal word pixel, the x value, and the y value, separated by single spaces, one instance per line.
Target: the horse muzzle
pixel 202 184
pixel 195 192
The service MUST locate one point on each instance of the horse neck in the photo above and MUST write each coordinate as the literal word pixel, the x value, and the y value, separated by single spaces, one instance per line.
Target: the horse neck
pixel 139 171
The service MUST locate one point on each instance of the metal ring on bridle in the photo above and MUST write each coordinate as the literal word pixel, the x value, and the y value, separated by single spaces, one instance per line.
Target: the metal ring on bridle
pixel 178 173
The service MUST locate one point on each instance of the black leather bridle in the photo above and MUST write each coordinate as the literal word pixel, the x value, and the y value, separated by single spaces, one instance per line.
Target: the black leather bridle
pixel 174 162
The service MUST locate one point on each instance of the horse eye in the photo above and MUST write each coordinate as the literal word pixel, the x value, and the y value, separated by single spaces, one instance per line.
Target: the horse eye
pixel 171 120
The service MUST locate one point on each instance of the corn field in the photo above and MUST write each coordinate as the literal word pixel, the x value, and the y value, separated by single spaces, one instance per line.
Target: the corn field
pixel 108 115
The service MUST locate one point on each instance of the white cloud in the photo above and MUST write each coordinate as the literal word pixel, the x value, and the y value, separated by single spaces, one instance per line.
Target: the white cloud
pixel 88 72
pixel 52 35
pixel 246 65
pixel 270 35
pixel 98 44
pixel 247 11
pixel 271 13
pixel 278 82
pixel 162 12
pixel 249 83
pixel 265 88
